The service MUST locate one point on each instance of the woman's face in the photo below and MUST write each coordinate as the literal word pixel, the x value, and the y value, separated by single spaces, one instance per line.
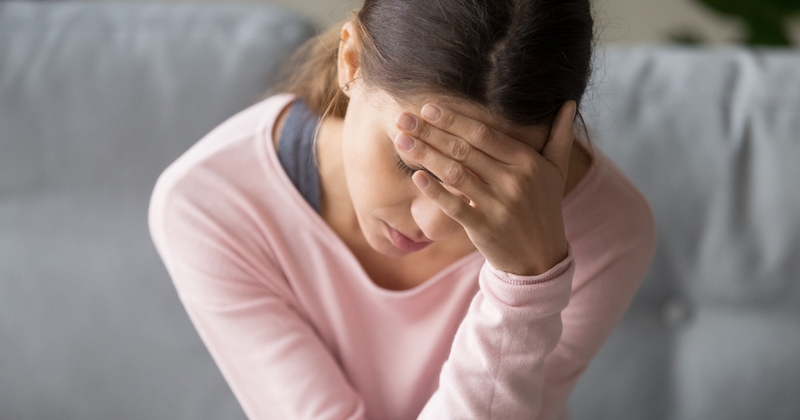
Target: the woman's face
pixel 383 195
pixel 384 198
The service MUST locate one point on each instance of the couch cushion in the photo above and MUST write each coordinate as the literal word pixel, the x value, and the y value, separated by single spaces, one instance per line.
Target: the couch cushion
pixel 95 101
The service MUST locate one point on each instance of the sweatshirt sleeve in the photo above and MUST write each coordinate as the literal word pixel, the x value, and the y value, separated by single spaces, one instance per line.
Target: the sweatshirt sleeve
pixel 613 257
pixel 272 359
pixel 525 341
pixel 496 364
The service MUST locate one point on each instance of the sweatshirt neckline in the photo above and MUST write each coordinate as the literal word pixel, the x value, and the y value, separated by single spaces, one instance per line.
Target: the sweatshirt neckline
pixel 316 222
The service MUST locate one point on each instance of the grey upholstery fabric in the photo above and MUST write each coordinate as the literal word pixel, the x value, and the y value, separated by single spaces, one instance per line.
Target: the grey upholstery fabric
pixel 712 138
pixel 96 99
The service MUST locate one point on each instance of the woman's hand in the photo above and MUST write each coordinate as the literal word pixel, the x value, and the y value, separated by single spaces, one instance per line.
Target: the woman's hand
pixel 514 212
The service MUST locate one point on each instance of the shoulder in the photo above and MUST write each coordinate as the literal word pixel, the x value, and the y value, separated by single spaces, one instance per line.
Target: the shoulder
pixel 215 213
pixel 244 129
pixel 228 151
pixel 214 185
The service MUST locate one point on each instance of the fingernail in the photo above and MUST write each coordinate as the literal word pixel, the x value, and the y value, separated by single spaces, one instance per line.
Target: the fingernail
pixel 422 181
pixel 407 122
pixel 431 112
pixel 405 142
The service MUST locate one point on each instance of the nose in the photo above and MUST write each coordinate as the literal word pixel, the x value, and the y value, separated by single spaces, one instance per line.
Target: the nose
pixel 435 224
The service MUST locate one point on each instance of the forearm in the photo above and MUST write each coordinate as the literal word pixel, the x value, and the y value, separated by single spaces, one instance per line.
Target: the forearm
pixel 495 368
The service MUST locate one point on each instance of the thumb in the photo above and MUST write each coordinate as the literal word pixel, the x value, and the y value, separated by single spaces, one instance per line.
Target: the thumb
pixel 562 134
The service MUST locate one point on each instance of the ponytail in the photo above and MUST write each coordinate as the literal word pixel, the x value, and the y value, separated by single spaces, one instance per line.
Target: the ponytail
pixel 311 74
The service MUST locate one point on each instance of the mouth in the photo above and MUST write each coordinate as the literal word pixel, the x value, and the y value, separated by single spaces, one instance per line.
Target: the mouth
pixel 404 242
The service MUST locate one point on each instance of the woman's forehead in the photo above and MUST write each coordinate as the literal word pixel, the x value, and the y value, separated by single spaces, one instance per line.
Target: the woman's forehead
pixel 392 106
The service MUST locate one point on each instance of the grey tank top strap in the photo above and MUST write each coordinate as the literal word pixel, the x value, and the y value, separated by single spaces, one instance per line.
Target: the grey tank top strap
pixel 295 151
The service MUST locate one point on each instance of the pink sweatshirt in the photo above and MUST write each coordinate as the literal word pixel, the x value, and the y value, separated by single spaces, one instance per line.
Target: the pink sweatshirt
pixel 300 331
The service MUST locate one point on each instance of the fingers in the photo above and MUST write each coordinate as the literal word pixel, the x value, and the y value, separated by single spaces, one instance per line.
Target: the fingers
pixel 482 137
pixel 451 173
pixel 562 134
pixel 449 145
pixel 455 147
pixel 453 206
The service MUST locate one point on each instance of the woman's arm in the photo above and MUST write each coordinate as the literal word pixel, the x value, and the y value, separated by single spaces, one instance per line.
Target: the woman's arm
pixel 274 362
pixel 277 366
pixel 496 365
pixel 612 241
pixel 613 237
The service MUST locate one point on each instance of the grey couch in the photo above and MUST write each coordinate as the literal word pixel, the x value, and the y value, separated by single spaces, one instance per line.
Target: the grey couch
pixel 96 99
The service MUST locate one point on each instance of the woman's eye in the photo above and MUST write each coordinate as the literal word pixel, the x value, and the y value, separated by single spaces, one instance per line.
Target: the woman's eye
pixel 410 171
pixel 403 167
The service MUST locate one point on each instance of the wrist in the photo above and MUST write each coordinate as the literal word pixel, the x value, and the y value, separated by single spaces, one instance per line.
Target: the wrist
pixel 544 261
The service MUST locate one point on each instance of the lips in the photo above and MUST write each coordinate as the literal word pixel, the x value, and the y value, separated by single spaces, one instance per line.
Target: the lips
pixel 409 238
pixel 404 242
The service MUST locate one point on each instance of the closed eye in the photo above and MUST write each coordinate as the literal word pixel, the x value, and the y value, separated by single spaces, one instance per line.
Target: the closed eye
pixel 403 167
pixel 410 171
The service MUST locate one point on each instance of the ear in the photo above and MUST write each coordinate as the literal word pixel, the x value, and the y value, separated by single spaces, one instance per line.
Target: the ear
pixel 348 62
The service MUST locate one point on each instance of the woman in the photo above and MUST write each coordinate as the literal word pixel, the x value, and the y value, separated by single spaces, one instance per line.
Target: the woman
pixel 451 252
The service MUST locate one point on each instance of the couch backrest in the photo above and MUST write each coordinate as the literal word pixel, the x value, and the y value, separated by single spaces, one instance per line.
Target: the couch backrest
pixel 712 139
pixel 96 99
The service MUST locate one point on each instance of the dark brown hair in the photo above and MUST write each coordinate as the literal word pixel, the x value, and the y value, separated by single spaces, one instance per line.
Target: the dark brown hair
pixel 521 59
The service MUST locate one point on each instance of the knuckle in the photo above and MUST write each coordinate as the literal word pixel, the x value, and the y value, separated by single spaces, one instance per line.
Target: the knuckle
pixel 514 189
pixel 424 130
pixel 522 190
pixel 532 170
pixel 459 150
pixel 419 152
pixel 455 176
pixel 482 133
pixel 528 166
pixel 516 193
pixel 503 213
